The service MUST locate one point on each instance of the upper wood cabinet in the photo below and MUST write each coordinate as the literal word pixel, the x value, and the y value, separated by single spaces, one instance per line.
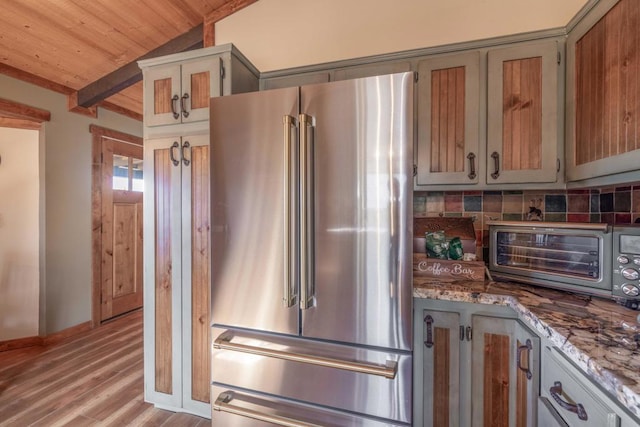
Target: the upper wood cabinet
pixel 603 93
pixel 523 113
pixel 490 118
pixel 373 69
pixel 448 120
pixel 177 87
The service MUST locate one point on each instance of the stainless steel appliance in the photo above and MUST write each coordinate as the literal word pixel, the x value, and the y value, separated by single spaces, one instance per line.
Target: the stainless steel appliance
pixel 588 258
pixel 311 254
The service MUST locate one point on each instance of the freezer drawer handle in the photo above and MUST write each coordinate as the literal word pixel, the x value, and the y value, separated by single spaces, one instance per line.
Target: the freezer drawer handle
pixel 223 342
pixel 222 403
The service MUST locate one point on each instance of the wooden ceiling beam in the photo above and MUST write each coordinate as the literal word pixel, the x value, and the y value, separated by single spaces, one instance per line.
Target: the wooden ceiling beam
pixel 130 73
pixel 229 8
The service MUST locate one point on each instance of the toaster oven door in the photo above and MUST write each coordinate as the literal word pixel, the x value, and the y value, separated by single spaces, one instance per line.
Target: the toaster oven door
pixel 566 256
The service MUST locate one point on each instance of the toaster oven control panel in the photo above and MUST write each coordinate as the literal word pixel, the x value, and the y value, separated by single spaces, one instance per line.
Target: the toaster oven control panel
pixel 625 278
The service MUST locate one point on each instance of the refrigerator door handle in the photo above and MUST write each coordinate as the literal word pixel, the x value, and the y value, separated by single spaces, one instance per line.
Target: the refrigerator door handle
pixel 289 294
pixel 223 404
pixel 307 254
pixel 389 370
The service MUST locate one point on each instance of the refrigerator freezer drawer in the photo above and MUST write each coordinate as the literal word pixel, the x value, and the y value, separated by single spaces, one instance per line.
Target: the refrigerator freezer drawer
pixel 343 377
pixel 241 408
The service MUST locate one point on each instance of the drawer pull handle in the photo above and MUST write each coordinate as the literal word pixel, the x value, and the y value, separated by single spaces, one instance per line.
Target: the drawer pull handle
pixel 528 347
pixel 428 320
pixel 577 408
pixel 224 404
pixel 388 370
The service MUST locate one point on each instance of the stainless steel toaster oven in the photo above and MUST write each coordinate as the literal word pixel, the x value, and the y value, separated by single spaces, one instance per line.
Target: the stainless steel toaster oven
pixel 588 258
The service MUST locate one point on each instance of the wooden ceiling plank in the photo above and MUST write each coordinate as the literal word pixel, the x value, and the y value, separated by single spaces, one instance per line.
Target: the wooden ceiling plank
pixel 17 110
pixel 129 74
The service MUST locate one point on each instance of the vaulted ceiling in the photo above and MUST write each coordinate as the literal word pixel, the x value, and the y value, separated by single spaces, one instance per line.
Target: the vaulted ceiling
pixel 87 49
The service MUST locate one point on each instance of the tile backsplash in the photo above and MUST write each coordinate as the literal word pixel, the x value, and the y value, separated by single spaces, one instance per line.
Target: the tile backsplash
pixel 613 205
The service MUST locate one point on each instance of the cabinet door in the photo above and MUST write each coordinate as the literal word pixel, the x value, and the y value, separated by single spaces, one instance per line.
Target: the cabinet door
pixel 523 114
pixel 162 272
pixel 201 80
pixel 196 277
pixel 440 346
pixel 603 93
pixel 162 95
pixel 502 392
pixel 177 273
pixel 448 120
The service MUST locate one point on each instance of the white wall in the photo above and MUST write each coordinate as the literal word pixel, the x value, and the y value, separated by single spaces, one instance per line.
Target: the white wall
pixel 66 231
pixel 19 233
pixel 277 34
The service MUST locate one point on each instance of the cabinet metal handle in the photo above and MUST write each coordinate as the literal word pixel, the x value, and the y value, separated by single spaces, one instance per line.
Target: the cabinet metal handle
pixel 469 333
pixel 461 333
pixel 577 408
pixel 496 161
pixel 175 145
pixel 307 273
pixel 472 165
pixel 428 320
pixel 526 347
pixel 388 370
pixel 183 106
pixel 185 146
pixel 221 88
pixel 289 295
pixel 223 404
pixel 174 102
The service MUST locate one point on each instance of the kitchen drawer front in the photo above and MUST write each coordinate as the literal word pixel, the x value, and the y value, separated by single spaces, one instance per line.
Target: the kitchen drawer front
pixel 547 416
pixel 243 408
pixel 307 378
pixel 566 388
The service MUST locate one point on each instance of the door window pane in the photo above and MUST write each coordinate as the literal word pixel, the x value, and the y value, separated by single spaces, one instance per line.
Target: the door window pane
pixel 127 173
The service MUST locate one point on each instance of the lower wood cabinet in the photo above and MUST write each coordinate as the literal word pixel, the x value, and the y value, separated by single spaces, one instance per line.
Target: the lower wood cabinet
pixel 177 273
pixel 474 365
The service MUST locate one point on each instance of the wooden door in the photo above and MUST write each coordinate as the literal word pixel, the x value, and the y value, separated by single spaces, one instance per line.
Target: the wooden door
pixel 448 117
pixel 523 112
pixel 440 406
pixel 121 269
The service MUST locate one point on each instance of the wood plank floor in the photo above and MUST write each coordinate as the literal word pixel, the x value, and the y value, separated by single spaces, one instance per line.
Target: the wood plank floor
pixel 93 379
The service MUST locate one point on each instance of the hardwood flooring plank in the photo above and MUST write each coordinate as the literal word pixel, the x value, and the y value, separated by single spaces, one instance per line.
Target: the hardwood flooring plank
pixel 93 379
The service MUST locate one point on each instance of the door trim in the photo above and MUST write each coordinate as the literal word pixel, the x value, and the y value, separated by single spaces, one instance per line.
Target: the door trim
pixel 98 134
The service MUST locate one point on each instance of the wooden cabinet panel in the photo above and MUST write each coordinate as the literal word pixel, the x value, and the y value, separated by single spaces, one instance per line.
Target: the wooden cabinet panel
pixel 448 118
pixel 607 87
pixel 163 278
pixel 523 114
pixel 603 93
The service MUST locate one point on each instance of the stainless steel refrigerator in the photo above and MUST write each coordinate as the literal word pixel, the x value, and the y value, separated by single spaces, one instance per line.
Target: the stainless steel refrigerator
pixel 311 210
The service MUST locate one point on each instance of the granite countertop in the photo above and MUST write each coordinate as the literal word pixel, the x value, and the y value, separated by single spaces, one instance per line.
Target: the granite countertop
pixel 600 336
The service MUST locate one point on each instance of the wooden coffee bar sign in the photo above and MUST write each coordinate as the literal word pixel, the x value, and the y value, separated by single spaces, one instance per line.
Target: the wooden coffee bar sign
pixel 447 269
